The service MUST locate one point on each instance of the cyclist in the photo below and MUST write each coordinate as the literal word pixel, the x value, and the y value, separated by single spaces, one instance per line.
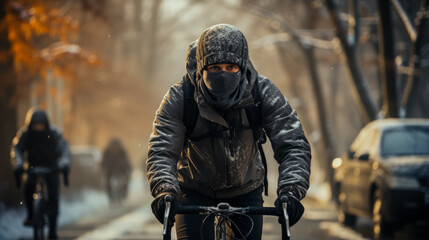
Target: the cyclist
pixel 219 160
pixel 115 164
pixel 44 146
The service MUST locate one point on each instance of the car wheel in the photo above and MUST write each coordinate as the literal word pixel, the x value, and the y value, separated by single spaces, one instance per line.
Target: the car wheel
pixel 345 218
pixel 380 227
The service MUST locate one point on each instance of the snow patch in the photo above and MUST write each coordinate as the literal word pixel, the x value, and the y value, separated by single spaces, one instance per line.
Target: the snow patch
pixel 85 202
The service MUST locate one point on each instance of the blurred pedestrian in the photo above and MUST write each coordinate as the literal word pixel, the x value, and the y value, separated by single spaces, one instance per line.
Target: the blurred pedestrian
pixel 116 167
pixel 206 142
pixel 44 146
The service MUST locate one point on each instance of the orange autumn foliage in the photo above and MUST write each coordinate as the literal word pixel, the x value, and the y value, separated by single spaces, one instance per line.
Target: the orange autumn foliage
pixel 26 23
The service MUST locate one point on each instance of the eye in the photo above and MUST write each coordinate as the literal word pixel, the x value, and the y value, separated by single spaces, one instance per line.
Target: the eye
pixel 232 68
pixel 213 68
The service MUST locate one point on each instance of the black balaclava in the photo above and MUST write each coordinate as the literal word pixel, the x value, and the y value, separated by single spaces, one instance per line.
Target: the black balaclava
pixel 42 143
pixel 39 116
pixel 218 44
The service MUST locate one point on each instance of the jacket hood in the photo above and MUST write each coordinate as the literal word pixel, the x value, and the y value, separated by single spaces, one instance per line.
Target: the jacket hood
pixel 191 61
pixel 417 166
pixel 36 116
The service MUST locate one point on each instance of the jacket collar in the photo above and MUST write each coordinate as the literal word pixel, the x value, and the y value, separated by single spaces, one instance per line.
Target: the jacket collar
pixel 207 112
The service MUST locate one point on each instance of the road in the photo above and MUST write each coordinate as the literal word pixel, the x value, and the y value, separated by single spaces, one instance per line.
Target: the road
pixel 92 218
pixel 135 221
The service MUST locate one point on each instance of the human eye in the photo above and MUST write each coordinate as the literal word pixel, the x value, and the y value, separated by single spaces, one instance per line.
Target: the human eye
pixel 232 68
pixel 213 68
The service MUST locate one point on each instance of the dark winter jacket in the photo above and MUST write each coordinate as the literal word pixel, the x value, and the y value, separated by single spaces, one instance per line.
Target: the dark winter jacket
pixel 115 159
pixel 47 148
pixel 228 166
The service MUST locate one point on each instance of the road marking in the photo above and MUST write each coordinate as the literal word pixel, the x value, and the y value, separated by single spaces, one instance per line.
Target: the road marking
pixel 118 227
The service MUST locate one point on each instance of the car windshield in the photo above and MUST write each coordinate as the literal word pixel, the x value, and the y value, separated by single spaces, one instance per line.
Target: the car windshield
pixel 405 141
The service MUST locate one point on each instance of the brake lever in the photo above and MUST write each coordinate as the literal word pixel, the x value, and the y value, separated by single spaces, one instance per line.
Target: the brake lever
pixel 167 201
pixel 286 219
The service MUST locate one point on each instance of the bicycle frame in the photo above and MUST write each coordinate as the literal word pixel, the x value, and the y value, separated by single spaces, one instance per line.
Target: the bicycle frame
pixel 223 209
pixel 39 199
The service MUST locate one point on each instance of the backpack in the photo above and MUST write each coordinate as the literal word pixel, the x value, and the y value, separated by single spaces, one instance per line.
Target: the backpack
pixel 254 115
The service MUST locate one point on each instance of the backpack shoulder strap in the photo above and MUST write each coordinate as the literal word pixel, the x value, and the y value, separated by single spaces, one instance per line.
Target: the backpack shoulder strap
pixel 190 107
pixel 254 115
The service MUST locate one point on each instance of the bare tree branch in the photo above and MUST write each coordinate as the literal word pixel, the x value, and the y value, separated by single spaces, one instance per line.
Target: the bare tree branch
pixel 361 91
pixel 405 20
pixel 414 51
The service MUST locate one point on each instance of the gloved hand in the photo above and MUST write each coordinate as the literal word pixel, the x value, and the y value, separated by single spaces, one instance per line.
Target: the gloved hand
pixel 158 207
pixel 294 209
pixel 18 175
pixel 65 170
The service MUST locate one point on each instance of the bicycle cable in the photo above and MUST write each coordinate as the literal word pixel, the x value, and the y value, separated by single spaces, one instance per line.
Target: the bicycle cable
pixel 243 237
pixel 227 216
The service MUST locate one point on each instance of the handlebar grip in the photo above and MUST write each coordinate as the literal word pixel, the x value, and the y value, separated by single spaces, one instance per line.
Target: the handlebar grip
pixel 263 211
pixel 189 210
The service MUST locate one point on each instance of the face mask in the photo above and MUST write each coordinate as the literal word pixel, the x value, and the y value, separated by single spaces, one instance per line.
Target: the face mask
pixel 221 84
pixel 223 88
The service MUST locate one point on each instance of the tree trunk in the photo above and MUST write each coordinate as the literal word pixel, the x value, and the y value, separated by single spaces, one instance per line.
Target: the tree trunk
pixel 387 61
pixel 8 122
pixel 416 100
pixel 322 114
pixel 138 42
pixel 152 58
pixel 362 94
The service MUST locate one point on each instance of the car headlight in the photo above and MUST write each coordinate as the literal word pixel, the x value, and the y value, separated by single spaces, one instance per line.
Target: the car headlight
pixel 337 162
pixel 404 182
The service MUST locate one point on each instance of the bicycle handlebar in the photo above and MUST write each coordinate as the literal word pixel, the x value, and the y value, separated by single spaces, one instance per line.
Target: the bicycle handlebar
pixel 47 170
pixel 224 207
pixel 189 209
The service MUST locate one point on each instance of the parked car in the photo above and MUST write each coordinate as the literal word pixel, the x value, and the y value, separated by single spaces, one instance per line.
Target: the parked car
pixel 85 172
pixel 385 175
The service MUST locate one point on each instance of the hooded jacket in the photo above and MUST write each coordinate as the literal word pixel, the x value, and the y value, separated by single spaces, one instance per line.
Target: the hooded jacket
pixel 227 166
pixel 115 159
pixel 47 148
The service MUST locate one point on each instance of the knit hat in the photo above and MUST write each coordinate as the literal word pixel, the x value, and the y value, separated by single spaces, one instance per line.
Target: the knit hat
pixel 222 43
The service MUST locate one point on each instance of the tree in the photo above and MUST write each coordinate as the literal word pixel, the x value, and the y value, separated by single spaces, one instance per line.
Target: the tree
pixel 25 26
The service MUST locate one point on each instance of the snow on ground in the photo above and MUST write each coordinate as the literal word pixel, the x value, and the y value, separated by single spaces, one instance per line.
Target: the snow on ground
pixel 72 209
pixel 88 200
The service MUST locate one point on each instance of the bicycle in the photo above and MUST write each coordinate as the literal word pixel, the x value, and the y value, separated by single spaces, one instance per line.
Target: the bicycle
pixel 40 200
pixel 222 213
pixel 118 185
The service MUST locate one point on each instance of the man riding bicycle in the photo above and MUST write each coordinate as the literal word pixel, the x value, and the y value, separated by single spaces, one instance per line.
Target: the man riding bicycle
pixel 115 164
pixel 204 149
pixel 43 146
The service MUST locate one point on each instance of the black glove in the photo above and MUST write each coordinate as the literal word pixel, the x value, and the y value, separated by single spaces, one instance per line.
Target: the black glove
pixel 294 209
pixel 18 175
pixel 65 170
pixel 158 207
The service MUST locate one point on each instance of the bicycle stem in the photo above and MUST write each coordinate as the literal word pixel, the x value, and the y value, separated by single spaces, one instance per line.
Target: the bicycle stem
pixel 286 219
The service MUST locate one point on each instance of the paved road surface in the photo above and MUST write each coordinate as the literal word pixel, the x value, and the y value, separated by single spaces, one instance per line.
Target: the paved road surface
pixel 135 221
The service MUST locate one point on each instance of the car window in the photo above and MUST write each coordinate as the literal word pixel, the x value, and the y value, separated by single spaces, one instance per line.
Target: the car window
pixel 402 141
